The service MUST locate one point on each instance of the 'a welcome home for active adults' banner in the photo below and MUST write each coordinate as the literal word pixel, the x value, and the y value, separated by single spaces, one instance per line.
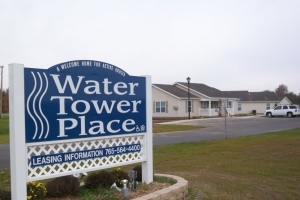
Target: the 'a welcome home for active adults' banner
pixel 80 99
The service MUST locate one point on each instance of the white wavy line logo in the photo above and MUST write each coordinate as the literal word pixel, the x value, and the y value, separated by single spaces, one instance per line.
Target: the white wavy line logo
pixel 27 105
pixel 45 90
pixel 40 121
pixel 33 105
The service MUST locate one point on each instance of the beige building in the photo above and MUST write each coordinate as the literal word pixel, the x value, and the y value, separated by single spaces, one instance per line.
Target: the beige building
pixel 172 101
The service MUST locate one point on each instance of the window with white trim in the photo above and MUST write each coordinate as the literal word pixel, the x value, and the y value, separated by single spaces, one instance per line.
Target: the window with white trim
pixel 239 107
pixel 160 106
pixel 217 104
pixel 229 104
pixel 268 106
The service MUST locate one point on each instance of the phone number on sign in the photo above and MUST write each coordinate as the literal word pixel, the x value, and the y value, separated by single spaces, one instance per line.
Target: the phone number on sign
pixel 123 149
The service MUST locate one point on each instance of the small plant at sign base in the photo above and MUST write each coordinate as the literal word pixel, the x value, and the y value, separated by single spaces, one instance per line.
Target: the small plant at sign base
pixel 138 170
pixel 5 195
pixel 63 186
pixel 119 176
pixel 102 179
pixel 35 190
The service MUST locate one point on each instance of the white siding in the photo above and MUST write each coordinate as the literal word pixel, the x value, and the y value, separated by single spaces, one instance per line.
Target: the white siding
pixel 173 104
pixel 260 107
pixel 285 101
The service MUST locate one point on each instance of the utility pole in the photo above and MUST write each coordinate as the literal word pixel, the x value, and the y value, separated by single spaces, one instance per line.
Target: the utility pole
pixel 1 95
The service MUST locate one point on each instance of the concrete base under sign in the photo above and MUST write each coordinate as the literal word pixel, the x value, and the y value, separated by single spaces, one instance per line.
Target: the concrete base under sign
pixel 175 192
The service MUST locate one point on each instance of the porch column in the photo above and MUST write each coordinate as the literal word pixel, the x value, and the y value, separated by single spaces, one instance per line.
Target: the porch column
pixel 209 107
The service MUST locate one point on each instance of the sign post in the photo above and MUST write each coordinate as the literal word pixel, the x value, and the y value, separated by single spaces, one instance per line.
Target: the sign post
pixel 75 117
pixel 18 164
pixel 225 103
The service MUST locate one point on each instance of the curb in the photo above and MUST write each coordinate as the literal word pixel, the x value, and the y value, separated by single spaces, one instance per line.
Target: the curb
pixel 174 192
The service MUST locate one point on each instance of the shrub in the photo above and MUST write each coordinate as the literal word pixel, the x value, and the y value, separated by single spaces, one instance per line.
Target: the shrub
pixel 119 176
pixel 35 190
pixel 138 170
pixel 63 186
pixel 5 195
pixel 101 179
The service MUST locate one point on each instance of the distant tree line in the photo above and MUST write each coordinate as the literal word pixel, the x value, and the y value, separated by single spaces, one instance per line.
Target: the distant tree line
pixel 282 91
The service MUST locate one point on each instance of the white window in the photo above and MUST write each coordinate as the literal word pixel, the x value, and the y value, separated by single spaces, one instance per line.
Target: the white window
pixel 268 106
pixel 160 106
pixel 215 104
pixel 229 104
pixel 239 107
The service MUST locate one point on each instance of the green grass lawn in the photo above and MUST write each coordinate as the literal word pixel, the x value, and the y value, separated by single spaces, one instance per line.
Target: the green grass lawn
pixel 173 128
pixel 4 130
pixel 254 167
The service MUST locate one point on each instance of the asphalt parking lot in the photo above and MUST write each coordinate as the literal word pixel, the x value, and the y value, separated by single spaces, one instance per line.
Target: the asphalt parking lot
pixel 236 126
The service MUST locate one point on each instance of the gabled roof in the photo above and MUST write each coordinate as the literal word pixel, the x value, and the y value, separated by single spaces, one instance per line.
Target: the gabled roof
pixel 175 91
pixel 243 95
pixel 263 96
pixel 286 98
pixel 253 96
pixel 203 89
pixel 213 92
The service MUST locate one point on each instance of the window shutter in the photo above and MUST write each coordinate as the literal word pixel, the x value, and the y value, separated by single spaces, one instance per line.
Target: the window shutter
pixel 166 106
pixel 153 106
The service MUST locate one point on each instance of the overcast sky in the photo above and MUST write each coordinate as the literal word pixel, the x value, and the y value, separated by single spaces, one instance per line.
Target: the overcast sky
pixel 229 45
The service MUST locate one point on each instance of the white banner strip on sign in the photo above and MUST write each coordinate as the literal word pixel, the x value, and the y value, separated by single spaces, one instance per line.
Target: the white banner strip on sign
pixel 65 158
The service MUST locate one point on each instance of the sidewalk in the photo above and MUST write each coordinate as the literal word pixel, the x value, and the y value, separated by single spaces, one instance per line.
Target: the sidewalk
pixel 212 118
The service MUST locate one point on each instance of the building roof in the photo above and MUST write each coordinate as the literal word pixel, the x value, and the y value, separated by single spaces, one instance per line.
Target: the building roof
pixel 263 96
pixel 175 91
pixel 203 89
pixel 213 92
pixel 243 95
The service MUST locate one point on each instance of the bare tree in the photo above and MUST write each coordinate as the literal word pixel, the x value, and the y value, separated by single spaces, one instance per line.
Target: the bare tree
pixel 6 101
pixel 282 90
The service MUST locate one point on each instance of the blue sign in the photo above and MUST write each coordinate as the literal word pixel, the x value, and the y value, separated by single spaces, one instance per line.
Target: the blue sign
pixel 82 99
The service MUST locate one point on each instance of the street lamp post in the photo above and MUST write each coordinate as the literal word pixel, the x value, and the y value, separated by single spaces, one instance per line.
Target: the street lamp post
pixel 189 101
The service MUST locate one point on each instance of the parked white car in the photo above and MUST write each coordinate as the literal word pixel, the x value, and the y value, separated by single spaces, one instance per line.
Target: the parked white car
pixel 283 110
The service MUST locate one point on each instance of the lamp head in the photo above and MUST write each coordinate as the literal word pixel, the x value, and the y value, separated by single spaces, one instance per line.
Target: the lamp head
pixel 188 79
